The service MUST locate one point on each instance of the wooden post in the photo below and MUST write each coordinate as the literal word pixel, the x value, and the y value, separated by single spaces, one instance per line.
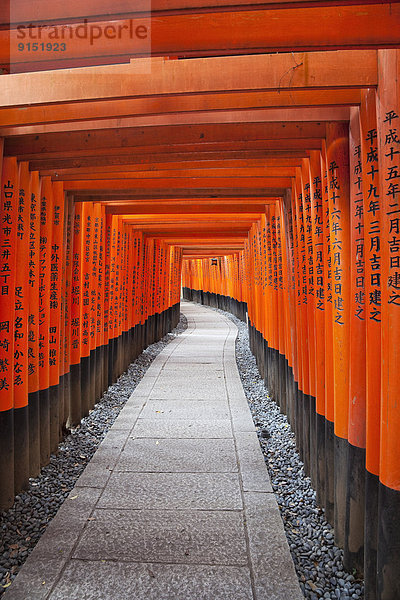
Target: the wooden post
pixel 318 220
pixel 21 411
pixel 8 230
pixel 354 532
pixel 33 326
pixel 339 207
pixel 46 223
pixel 75 318
pixel 56 260
pixel 388 103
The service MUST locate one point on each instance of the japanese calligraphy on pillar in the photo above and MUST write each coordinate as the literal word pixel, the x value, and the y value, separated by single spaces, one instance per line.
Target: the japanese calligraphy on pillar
pixel 107 277
pixel 327 234
pixel 318 237
pixel 46 223
pixel 279 250
pixel 302 250
pixel 308 242
pixel 391 190
pixel 86 277
pixel 372 229
pixel 69 217
pixel 95 279
pixel 21 290
pixel 56 262
pixel 33 285
pixel 8 226
pixel 76 286
pixel 357 221
pixel 336 243
pixel 99 270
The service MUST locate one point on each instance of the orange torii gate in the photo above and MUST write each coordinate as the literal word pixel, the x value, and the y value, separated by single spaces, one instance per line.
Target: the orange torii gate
pixel 270 181
pixel 48 296
pixel 323 272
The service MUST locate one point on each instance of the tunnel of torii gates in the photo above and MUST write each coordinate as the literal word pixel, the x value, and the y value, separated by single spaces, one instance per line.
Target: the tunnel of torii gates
pixel 257 164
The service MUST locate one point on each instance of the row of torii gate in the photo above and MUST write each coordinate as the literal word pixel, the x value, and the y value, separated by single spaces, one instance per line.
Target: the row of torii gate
pixel 252 146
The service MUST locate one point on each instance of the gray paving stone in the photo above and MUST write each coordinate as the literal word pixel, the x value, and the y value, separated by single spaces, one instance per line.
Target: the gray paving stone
pixel 175 376
pixel 115 439
pixel 36 578
pixel 182 409
pixel 274 574
pixel 238 402
pixel 177 361
pixel 136 400
pixel 156 366
pixel 194 388
pixel 187 369
pixel 241 420
pixel 145 386
pixel 158 428
pixel 127 418
pixel 64 530
pixel 95 474
pixel 252 466
pixel 84 580
pixel 185 536
pixel 204 491
pixel 158 513
pixel 184 455
pixel 193 353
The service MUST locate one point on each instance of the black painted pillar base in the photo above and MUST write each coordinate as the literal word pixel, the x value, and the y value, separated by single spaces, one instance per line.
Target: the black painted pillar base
pixel 21 449
pixel 266 360
pixel 289 393
pixel 341 492
pixel 123 363
pixel 54 407
pixel 320 462
pixel 273 375
pixel 116 359
pixel 313 441
pixel 44 406
pixel 85 386
pixel 6 459
pixel 75 411
pixel 66 382
pixel 299 420
pixel 292 400
pixel 94 368
pixel 34 434
pixel 132 344
pixel 110 352
pixel 135 342
pixel 120 360
pixel 105 368
pixel 282 382
pixel 388 583
pixel 354 533
pixel 306 433
pixel 99 375
pixel 61 401
pixel 329 471
pixel 371 536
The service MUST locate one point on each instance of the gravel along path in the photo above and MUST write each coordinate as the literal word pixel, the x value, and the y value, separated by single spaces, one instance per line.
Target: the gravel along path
pixel 22 525
pixel 318 562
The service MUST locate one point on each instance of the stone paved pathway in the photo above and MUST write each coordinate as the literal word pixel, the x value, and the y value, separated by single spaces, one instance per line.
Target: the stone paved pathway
pixel 176 503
